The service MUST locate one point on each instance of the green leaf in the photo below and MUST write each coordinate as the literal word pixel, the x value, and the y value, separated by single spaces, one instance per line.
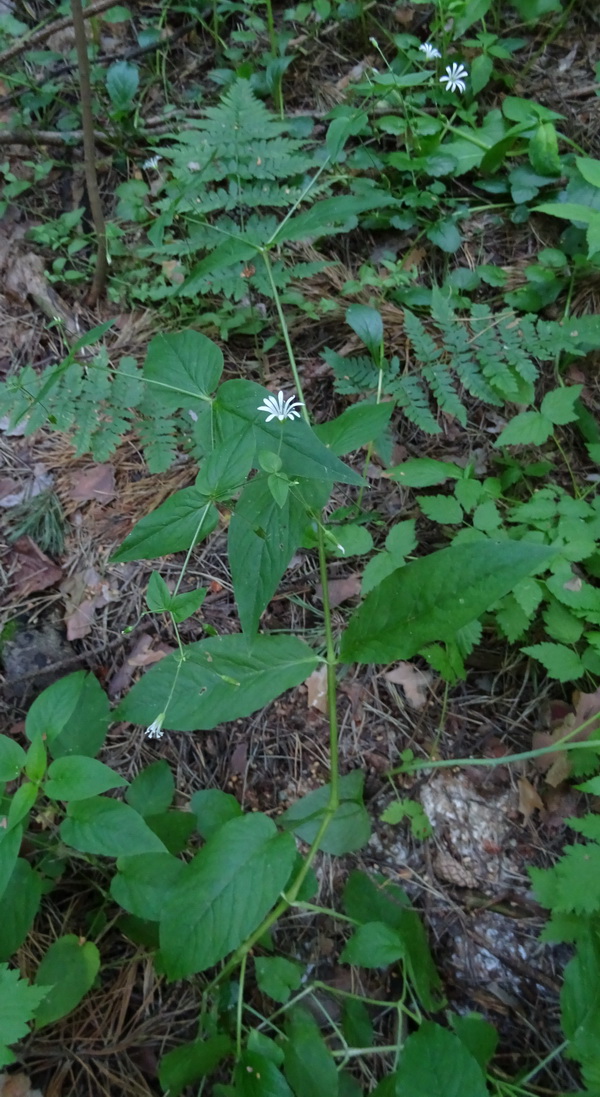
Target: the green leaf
pixel 367 899
pixel 432 598
pixel 227 254
pixel 183 368
pixel 445 235
pixel 560 662
pixel 482 68
pixel 76 777
pixel 152 789
pixel 258 1076
pixel 590 169
pixel 144 883
pixel 263 536
pixel 580 1001
pixel 174 828
pixel 366 322
pixel 331 215
pixel 441 508
pixel 543 150
pixel 561 624
pixel 559 405
pixel 69 968
pixel 357 425
pixel 224 471
pixel 350 827
pixel 277 976
pixel 72 714
pixel 107 827
pixel 185 1065
pixel 222 678
pixel 340 129
pixel 18 1003
pixel 37 760
pixel 186 518
pixel 302 453
pixel 478 1035
pixel 570 211
pixel 530 428
pixel 401 540
pixel 309 1065
pixel 122 80
pixel 424 472
pixel 435 1061
pixel 350 540
pixel 212 809
pixel 224 894
pixel 378 569
pixel 12 759
pixel 373 945
pixel 21 803
pixel 20 905
pixel 10 845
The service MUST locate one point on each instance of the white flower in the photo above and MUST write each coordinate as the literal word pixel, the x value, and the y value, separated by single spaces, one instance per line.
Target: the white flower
pixel 455 77
pixel 155 730
pixel 278 407
pixel 152 163
pixel 430 51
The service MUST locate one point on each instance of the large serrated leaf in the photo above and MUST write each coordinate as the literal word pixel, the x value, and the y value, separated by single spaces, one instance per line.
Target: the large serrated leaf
pixel 222 678
pixel 224 893
pixel 432 598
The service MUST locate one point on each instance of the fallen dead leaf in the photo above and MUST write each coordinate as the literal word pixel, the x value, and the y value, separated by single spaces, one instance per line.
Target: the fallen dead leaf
pixel 414 682
pixel 316 684
pixel 96 482
pixel 84 593
pixel 33 569
pixel 529 799
pixel 39 481
pixel 557 765
pixel 341 589
pixel 17 1085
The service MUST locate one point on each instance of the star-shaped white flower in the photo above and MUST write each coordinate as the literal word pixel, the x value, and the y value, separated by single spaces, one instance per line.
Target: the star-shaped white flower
pixel 430 51
pixel 155 730
pixel 277 407
pixel 455 77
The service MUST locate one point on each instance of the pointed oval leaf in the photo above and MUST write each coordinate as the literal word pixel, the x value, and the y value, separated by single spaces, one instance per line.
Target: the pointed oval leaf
pixel 76 777
pixel 183 368
pixel 107 827
pixel 180 522
pixel 69 968
pixel 432 598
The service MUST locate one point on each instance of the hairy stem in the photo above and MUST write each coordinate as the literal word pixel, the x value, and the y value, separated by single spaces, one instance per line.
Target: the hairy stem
pixel 89 152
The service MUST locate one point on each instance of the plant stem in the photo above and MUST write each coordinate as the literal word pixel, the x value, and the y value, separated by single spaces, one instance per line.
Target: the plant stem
pixel 89 152
pixel 286 336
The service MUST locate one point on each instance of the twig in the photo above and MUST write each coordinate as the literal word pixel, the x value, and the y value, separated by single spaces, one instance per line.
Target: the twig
pixel 52 28
pixel 89 151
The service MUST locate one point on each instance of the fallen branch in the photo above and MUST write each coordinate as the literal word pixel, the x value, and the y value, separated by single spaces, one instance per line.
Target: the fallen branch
pixel 45 32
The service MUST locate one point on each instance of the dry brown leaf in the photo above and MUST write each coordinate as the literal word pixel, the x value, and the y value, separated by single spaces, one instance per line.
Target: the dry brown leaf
pixel 33 569
pixel 529 799
pixel 557 765
pixel 414 682
pixel 341 589
pixel 316 684
pixel 96 482
pixel 84 593
pixel 147 658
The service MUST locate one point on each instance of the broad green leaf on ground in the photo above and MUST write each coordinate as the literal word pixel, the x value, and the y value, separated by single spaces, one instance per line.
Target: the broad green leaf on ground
pixel 231 251
pixel 223 678
pixel 575 880
pixel 341 129
pixel 224 471
pixel 10 845
pixel 424 472
pixel 143 883
pixel 357 425
pixel 277 976
pixel 18 1003
pixel 12 759
pixel 469 146
pixel 152 789
pixel 441 508
pixel 332 215
pixel 559 405
pixel 580 1003
pixel 570 211
pixel 174 828
pixel 20 905
pixel 107 827
pixel 69 969
pixel 560 661
pixel 75 777
pixel 478 1035
pixel 370 899
pixel 182 521
pixel 373 944
pixel 366 322
pixel 434 1061
pixel 543 150
pixel 350 828
pixel 72 715
pixel 590 169
pixel 262 539
pixel 183 368
pixel 302 454
pixel 224 893
pixel 212 808
pixel 258 1076
pixel 432 598
pixel 21 803
pixel 185 1065
pixel 309 1065
pixel 122 80
pixel 530 428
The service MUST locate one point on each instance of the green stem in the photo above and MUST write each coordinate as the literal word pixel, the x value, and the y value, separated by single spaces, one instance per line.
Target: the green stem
pixel 191 548
pixel 286 336
pixel 240 1008
pixel 331 680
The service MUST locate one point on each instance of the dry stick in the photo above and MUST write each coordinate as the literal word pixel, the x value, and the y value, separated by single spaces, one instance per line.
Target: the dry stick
pixel 89 151
pixel 52 28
